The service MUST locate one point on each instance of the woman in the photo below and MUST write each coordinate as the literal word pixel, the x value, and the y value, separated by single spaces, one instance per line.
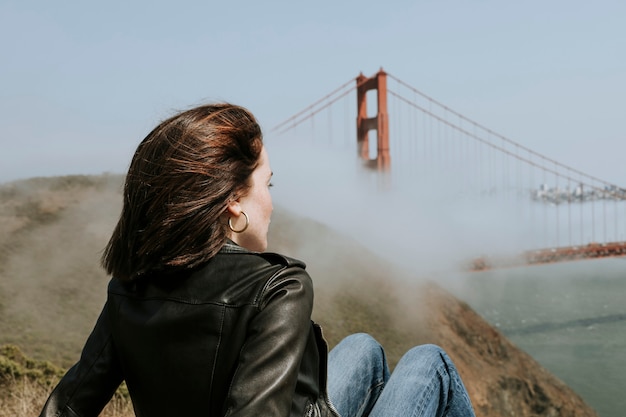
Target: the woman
pixel 199 320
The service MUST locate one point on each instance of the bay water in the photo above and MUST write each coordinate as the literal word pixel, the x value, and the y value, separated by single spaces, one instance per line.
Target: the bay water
pixel 570 317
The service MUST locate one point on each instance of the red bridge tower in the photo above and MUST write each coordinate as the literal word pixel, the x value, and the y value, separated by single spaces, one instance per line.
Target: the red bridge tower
pixel 380 122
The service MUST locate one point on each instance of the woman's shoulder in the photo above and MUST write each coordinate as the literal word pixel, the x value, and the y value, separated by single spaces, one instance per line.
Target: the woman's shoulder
pixel 274 258
pixel 284 260
pixel 264 273
pixel 234 276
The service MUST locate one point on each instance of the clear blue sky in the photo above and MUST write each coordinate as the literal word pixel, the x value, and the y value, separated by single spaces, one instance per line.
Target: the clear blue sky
pixel 83 82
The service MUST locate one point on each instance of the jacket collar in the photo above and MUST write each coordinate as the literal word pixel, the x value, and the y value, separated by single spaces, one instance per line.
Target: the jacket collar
pixel 232 247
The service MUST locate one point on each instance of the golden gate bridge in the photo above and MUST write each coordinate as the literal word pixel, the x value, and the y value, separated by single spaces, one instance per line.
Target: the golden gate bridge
pixel 404 135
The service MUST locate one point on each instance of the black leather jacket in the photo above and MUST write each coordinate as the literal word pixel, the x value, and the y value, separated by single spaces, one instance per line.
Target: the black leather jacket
pixel 233 338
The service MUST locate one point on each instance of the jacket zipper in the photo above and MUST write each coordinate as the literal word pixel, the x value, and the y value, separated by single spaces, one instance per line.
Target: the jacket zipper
pixel 309 410
pixel 331 406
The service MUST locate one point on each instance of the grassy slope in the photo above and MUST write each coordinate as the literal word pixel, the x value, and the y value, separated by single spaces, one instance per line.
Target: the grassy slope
pixel 52 231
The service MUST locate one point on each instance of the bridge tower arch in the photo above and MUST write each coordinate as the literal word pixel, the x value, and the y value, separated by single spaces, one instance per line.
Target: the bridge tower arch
pixel 380 122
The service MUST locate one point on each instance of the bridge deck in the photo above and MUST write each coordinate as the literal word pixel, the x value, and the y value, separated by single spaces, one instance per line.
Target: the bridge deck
pixel 552 255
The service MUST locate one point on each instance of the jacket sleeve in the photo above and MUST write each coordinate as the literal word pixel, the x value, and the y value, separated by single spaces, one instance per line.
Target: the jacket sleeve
pixel 265 379
pixel 89 385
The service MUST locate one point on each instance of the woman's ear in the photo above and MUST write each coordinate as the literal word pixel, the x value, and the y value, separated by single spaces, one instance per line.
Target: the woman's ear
pixel 234 207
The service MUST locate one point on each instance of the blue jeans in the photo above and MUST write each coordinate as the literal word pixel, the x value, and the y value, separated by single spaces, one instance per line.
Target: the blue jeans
pixel 424 383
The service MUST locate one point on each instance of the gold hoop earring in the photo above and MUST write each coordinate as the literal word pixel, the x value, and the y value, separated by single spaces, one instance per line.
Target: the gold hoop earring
pixel 230 225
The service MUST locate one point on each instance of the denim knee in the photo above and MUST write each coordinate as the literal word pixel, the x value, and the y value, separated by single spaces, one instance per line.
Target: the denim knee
pixel 361 340
pixel 428 356
pixel 362 346
pixel 357 373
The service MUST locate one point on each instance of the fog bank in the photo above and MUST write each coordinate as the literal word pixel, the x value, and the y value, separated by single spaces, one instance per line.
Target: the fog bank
pixel 418 220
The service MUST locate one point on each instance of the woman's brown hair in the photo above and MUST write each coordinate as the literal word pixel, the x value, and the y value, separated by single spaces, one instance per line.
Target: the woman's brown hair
pixel 180 180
